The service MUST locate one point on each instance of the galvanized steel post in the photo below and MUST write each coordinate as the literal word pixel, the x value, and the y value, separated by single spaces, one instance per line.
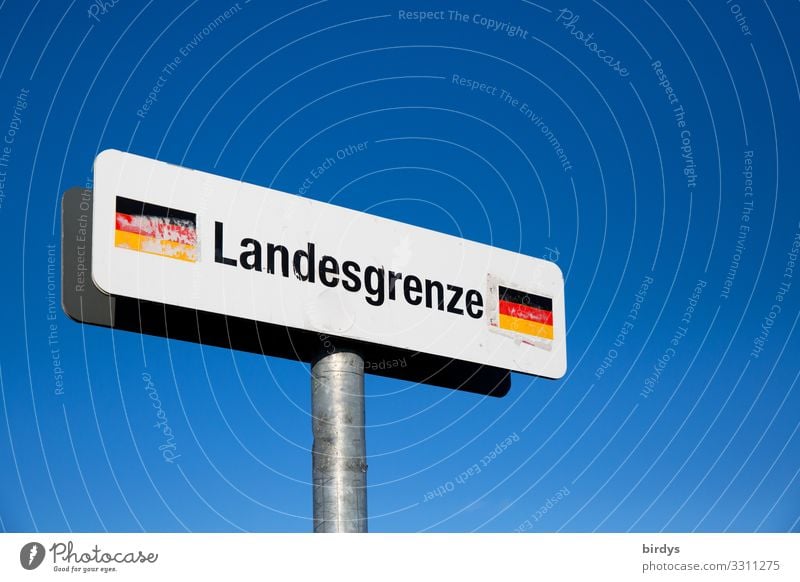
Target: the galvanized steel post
pixel 339 451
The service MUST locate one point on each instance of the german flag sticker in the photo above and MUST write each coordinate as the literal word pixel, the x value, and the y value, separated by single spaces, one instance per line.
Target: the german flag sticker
pixel 157 230
pixel 523 313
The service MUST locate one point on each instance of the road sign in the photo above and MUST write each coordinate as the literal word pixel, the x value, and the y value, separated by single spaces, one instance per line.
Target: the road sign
pixel 189 240
pixel 164 250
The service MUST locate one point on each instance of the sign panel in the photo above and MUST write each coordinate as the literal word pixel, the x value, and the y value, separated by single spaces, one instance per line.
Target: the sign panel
pixel 85 303
pixel 188 239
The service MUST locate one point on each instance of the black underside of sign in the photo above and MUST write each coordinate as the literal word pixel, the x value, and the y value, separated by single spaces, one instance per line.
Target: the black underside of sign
pixel 85 303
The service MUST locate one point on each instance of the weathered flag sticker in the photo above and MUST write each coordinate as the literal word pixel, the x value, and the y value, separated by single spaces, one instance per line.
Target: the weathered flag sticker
pixel 525 315
pixel 154 229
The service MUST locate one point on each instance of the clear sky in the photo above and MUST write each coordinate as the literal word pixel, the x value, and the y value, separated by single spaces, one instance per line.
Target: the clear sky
pixel 649 148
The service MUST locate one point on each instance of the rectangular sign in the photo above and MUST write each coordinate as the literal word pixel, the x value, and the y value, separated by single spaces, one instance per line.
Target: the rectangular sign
pixel 184 238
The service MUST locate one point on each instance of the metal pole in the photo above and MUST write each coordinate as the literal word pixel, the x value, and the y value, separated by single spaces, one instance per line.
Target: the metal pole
pixel 339 450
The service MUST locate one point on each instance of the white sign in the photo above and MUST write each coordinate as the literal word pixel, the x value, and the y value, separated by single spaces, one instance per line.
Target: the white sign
pixel 181 237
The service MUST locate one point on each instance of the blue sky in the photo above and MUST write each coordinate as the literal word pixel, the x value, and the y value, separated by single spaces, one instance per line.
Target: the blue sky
pixel 634 155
